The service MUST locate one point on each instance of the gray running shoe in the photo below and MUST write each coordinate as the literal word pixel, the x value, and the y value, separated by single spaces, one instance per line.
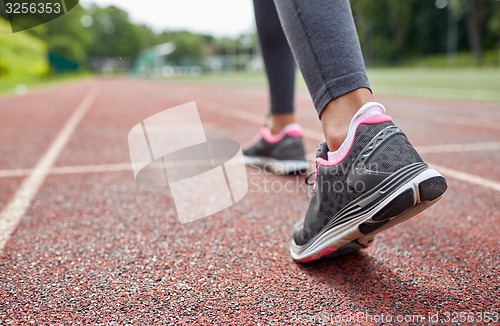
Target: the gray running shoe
pixel 378 182
pixel 282 154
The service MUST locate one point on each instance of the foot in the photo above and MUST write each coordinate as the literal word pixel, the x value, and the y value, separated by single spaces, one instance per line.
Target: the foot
pixel 374 181
pixel 282 153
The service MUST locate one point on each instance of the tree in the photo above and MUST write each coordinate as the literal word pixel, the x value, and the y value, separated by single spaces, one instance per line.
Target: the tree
pixel 494 26
pixel 113 35
pixel 189 47
pixel 383 27
pixel 65 35
pixel 477 13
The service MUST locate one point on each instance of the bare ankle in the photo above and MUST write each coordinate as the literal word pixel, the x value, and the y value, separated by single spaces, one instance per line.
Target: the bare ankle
pixel 279 121
pixel 337 115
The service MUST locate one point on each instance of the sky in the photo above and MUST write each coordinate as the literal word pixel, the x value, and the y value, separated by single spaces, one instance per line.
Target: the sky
pixel 215 17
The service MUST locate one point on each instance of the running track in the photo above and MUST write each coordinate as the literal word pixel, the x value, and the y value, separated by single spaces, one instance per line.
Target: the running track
pixel 82 243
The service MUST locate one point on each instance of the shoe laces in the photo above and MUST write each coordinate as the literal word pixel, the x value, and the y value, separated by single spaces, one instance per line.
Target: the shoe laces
pixel 310 174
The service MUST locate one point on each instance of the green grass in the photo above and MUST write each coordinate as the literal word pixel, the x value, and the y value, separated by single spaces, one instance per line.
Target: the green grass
pixel 23 59
pixel 21 54
pixel 449 83
pixel 481 84
pixel 491 58
pixel 8 85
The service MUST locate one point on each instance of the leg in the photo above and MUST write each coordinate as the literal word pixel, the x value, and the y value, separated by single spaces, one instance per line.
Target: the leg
pixel 338 113
pixel 279 64
pixel 325 44
pixel 374 178
pixel 279 146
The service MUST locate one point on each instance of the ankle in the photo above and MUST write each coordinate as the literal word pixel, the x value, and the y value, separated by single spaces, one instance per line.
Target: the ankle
pixel 335 139
pixel 279 121
pixel 338 114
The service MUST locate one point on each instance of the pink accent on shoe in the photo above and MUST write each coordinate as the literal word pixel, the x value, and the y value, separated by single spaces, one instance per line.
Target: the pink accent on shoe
pixel 292 130
pixel 377 118
pixel 310 258
pixel 270 138
pixel 373 119
pixel 324 162
pixel 326 251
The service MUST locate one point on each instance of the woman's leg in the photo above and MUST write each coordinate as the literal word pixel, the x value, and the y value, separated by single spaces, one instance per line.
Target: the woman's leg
pixel 279 146
pixel 323 38
pixel 368 176
pixel 279 64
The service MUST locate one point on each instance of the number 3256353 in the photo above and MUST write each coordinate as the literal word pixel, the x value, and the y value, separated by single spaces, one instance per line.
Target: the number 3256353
pixel 32 8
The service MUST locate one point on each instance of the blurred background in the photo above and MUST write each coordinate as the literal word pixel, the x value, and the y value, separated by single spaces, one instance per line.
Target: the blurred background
pixel 441 48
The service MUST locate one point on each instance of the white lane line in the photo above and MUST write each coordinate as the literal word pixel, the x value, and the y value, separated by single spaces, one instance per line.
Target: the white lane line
pixel 316 135
pixel 15 173
pixel 230 111
pixel 96 168
pixel 91 168
pixel 449 119
pixel 438 92
pixel 118 167
pixel 466 177
pixel 19 204
pixel 452 148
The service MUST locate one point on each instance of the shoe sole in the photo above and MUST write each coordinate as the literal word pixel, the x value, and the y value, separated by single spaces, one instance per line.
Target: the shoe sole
pixel 411 198
pixel 280 167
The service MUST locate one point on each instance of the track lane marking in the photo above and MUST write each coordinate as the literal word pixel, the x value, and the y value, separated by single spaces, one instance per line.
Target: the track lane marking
pixel 460 120
pixel 118 167
pixel 19 204
pixel 453 148
pixel 438 93
pixel 466 177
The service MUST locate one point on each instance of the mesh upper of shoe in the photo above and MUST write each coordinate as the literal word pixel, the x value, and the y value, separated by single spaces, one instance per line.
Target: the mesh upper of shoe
pixel 332 193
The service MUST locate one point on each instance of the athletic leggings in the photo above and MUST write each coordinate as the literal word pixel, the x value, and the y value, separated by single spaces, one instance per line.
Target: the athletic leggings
pixel 322 37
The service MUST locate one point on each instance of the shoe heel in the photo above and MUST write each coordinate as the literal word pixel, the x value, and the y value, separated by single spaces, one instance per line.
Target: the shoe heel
pixel 397 206
pixel 432 188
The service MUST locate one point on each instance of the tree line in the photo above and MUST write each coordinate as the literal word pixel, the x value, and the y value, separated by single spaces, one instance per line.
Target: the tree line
pixel 392 30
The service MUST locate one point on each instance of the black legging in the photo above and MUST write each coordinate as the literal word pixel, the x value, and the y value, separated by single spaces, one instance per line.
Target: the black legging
pixel 278 58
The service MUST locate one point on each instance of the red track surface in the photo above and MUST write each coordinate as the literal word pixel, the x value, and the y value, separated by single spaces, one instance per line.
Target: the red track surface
pixel 96 248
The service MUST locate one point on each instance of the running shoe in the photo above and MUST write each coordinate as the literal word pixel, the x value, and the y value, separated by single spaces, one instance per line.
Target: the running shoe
pixel 282 154
pixel 374 181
